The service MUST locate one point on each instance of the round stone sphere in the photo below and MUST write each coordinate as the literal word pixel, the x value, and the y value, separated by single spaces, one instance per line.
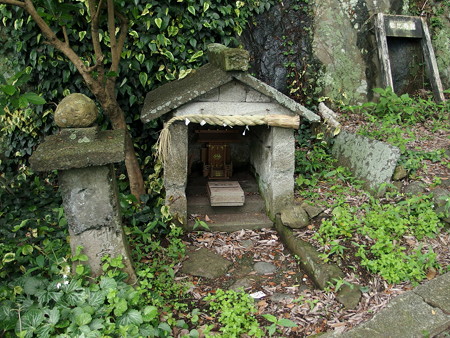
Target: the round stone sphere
pixel 76 111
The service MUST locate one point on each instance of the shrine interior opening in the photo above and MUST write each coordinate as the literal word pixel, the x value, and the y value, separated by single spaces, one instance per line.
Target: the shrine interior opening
pixel 221 178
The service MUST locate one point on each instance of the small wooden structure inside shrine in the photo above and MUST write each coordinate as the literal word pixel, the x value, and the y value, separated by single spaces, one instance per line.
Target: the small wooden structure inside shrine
pixel 222 125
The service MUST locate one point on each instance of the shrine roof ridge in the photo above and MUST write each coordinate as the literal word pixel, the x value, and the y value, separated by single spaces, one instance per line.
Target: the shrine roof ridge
pixel 226 65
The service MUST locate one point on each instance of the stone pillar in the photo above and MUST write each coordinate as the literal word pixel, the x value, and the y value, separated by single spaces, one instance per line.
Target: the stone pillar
pixel 281 190
pixel 83 157
pixel 175 173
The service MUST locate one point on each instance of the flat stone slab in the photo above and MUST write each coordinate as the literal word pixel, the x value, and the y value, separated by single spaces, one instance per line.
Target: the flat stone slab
pixel 405 316
pixel 62 152
pixel 436 292
pixel 264 268
pixel 205 263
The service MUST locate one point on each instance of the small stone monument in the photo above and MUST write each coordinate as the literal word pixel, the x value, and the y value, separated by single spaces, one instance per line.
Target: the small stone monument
pixel 83 156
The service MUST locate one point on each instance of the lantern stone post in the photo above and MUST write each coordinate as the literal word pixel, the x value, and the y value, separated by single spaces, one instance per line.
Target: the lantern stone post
pixel 83 156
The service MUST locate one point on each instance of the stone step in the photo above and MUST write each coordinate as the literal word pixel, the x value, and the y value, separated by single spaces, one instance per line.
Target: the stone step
pixel 233 222
pixel 201 205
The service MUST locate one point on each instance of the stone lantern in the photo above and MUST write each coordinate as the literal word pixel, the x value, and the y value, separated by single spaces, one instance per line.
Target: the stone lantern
pixel 83 156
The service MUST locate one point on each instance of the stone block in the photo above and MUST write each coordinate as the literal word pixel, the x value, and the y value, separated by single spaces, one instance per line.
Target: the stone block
pixel 205 263
pixel 89 197
pixel 436 292
pixel 255 96
pixel 76 111
pixel 228 58
pixel 369 160
pixel 176 200
pixel 211 96
pixel 232 92
pixel 231 108
pixel 80 135
pixel 406 315
pixel 73 149
pixel 176 166
pixel 294 216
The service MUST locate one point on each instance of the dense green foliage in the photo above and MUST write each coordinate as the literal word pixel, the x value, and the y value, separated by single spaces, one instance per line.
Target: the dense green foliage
pixel 377 231
pixel 166 41
pixel 393 119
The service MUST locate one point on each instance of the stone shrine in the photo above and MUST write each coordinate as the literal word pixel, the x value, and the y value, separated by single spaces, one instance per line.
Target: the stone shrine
pixel 222 122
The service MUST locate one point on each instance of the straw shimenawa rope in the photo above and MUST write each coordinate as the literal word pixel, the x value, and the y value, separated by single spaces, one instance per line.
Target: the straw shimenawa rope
pixel 284 121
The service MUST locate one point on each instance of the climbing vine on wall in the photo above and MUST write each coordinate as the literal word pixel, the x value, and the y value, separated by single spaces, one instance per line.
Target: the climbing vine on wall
pixel 165 41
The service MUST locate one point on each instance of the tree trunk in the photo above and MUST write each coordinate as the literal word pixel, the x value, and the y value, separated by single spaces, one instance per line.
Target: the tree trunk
pixel 117 116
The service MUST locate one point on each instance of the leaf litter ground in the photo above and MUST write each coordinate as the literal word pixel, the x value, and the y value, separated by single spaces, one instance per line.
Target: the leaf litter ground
pixel 288 292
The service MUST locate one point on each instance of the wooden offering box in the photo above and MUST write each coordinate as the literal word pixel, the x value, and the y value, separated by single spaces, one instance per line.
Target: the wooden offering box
pixel 225 194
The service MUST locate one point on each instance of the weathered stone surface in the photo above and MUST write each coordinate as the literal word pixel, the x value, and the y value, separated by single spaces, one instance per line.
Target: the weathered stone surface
pixel 76 111
pixel 312 210
pixel 295 217
pixel 79 135
pixel 415 188
pixel 89 197
pixel 440 196
pixel 60 152
pixel 370 160
pixel 282 297
pixel 405 316
pixel 349 296
pixel 241 284
pixel 436 292
pixel 205 263
pixel 176 93
pixel 92 211
pixel 247 243
pixel 321 274
pixel 263 268
pixel 277 96
pixel 399 173
pixel 228 58
pixel 106 241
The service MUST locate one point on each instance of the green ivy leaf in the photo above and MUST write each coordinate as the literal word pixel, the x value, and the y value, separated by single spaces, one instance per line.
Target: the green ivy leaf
pixel 173 30
pixel 196 56
pixel 143 78
pixel 96 298
pixel 9 257
pixel 165 327
pixel 191 10
pixel 53 316
pixel 97 324
pixel 169 55
pixel 27 249
pixel 158 22
pixel 32 285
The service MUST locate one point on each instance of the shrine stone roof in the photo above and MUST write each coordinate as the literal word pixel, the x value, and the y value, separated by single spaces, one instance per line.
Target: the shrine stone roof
pixel 225 65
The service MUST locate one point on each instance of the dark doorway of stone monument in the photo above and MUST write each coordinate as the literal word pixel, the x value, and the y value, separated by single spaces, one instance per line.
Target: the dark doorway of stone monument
pixel 222 191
